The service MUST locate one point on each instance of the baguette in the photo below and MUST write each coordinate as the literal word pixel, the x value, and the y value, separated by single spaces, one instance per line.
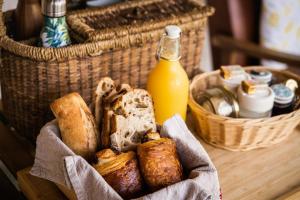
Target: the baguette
pixel 76 124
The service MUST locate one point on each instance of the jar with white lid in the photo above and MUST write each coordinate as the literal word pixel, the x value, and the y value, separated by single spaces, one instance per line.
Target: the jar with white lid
pixel 256 104
pixel 264 77
pixel 284 97
pixel 231 77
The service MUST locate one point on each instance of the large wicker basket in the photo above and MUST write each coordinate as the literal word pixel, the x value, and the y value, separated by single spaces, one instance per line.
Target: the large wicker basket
pixel 32 77
pixel 239 134
pixel 137 19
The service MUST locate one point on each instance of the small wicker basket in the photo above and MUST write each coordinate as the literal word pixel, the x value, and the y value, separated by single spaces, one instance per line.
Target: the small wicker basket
pixel 239 134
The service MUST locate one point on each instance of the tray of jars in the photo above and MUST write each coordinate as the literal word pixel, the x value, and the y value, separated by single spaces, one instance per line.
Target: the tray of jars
pixel 244 108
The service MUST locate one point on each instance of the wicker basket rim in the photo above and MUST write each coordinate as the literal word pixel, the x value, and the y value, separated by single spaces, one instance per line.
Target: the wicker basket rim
pixel 78 50
pixel 77 23
pixel 207 10
pixel 244 121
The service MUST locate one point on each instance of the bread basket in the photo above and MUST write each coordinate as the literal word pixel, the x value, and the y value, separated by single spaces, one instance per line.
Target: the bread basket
pixel 240 134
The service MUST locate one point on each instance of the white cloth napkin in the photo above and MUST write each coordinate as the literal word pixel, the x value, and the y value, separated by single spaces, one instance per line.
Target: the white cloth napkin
pixel 54 161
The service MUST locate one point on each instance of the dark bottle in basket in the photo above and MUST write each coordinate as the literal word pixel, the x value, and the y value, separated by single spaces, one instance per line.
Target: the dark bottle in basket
pixel 28 19
pixel 55 31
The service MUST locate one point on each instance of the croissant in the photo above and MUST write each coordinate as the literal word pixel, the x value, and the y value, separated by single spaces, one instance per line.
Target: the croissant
pixel 121 172
pixel 159 162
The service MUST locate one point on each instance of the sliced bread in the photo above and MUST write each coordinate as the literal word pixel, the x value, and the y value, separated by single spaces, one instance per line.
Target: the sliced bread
pixel 108 113
pixel 132 118
pixel 105 86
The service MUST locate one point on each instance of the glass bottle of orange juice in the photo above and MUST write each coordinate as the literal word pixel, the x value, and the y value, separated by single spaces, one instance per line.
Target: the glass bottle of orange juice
pixel 168 82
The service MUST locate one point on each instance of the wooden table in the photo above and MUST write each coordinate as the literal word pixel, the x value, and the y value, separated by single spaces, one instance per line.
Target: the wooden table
pixel 259 174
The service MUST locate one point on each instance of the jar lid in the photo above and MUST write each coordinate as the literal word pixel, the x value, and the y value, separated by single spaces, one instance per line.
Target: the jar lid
pixel 233 101
pixel 263 76
pixel 54 8
pixel 283 94
pixel 226 105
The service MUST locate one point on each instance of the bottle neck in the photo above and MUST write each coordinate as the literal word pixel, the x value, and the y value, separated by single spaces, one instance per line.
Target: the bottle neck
pixel 54 21
pixel 169 48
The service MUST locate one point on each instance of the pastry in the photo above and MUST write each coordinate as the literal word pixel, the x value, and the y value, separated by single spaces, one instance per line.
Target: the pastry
pixel 121 172
pixel 159 162
pixel 77 124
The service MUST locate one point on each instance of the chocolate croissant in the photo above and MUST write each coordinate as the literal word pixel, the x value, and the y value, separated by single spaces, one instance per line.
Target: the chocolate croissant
pixel 159 162
pixel 121 172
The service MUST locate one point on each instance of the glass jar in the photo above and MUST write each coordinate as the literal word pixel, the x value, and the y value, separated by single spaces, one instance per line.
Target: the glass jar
pixel 219 101
pixel 284 99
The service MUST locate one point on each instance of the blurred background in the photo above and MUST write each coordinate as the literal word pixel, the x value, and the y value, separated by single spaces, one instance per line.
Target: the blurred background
pixel 248 32
pixel 251 32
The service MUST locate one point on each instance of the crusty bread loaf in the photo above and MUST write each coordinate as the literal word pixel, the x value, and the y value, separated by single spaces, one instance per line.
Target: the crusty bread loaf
pixel 133 116
pixel 105 86
pixel 76 124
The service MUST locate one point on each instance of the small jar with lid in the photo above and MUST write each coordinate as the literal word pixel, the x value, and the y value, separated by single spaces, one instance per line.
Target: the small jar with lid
pixel 263 77
pixel 255 100
pixel 219 101
pixel 231 77
pixel 284 99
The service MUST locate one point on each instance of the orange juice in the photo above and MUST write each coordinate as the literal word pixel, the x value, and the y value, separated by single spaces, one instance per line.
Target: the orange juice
pixel 168 82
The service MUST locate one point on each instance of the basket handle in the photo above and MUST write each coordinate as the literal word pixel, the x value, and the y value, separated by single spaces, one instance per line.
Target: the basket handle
pixel 2 25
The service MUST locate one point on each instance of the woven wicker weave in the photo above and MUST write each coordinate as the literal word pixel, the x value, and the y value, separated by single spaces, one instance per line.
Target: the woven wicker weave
pixel 32 77
pixel 240 134
pixel 137 17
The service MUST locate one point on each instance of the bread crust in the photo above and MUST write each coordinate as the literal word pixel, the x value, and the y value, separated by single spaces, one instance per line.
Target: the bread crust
pixel 105 86
pixel 77 125
pixel 106 128
pixel 108 101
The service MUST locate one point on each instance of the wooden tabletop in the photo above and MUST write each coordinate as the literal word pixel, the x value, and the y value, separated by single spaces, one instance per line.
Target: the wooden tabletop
pixel 267 173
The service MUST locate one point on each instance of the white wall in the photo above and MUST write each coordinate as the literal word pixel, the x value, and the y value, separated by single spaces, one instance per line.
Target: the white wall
pixel 9 4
